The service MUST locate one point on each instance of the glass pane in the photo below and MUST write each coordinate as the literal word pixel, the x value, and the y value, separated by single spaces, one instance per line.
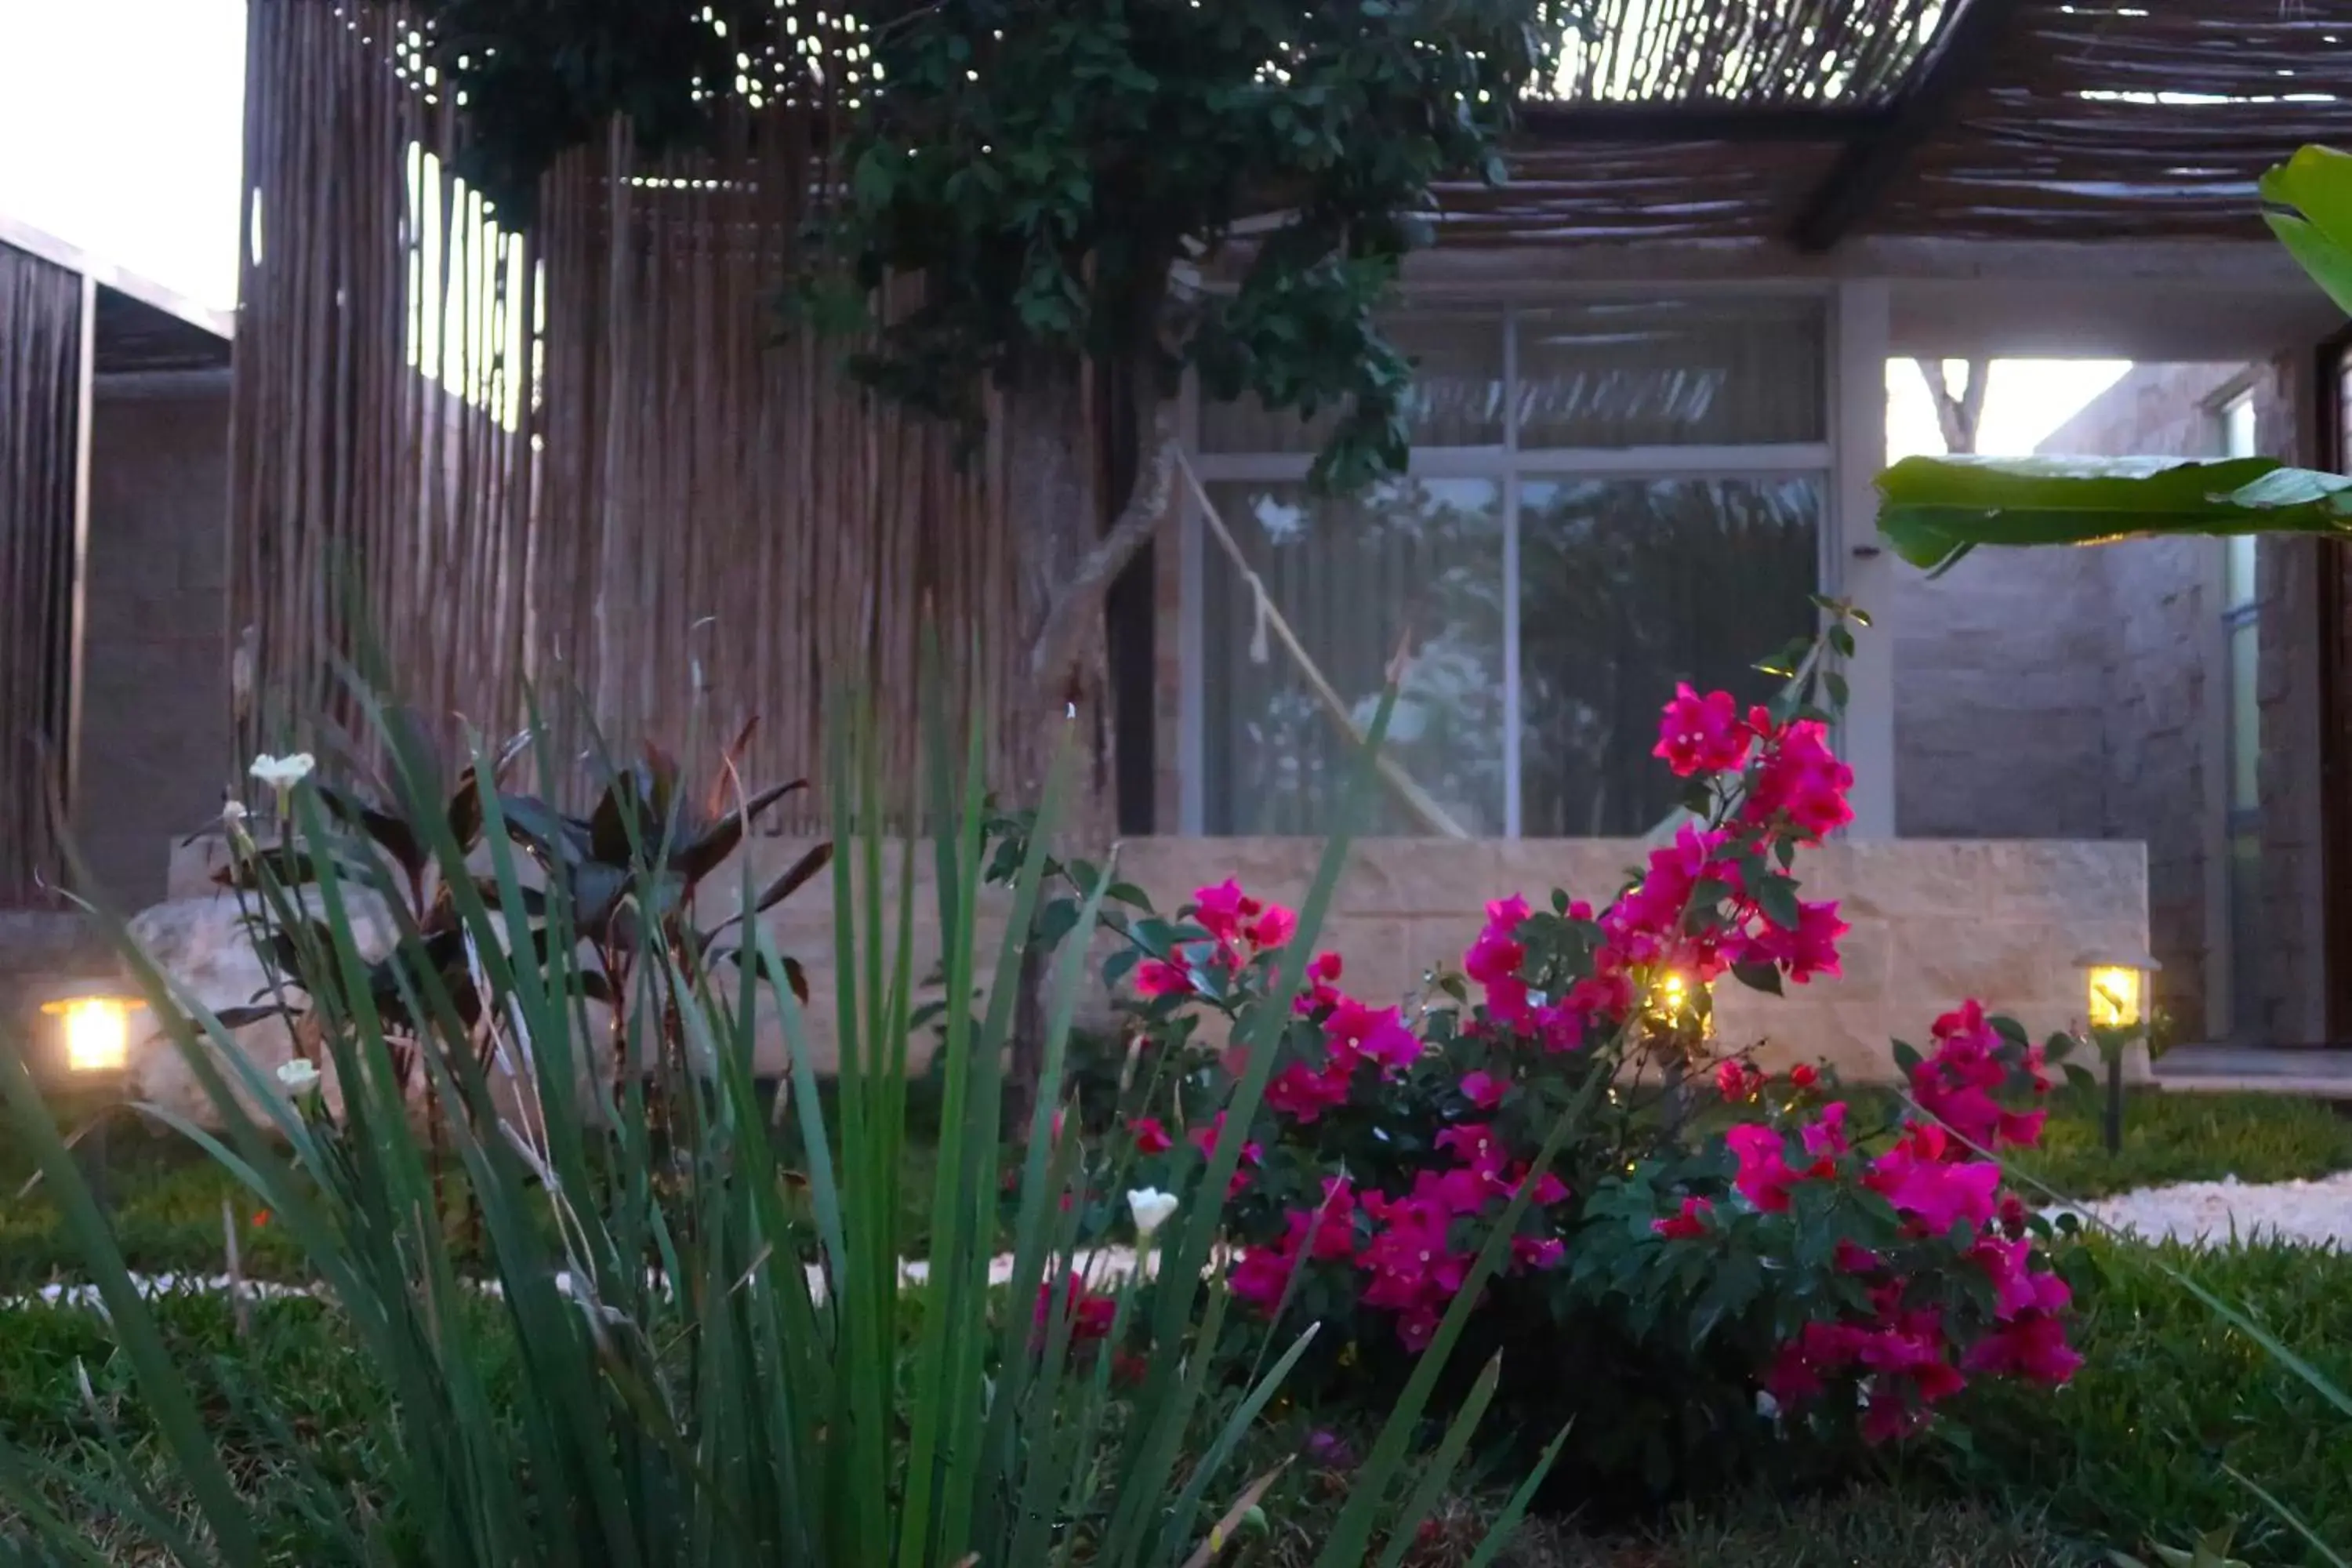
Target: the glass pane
pixel 2245 718
pixel 2241 580
pixel 1351 575
pixel 1704 373
pixel 1627 586
pixel 2238 435
pixel 1457 393
pixel 2246 1010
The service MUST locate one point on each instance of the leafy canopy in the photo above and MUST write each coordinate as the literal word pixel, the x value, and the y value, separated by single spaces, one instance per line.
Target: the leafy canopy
pixel 1061 175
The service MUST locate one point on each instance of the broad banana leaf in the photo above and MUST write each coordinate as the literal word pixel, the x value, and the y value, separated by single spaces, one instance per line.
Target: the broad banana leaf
pixel 2307 201
pixel 1934 511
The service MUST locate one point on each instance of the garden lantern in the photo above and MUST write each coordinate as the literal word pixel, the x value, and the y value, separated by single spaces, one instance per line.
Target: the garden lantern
pixel 94 1025
pixel 2116 1007
pixel 97 1030
pixel 1679 1018
pixel 2116 995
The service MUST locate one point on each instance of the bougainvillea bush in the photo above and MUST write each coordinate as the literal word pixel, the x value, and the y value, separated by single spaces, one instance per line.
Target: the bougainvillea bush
pixel 1719 1268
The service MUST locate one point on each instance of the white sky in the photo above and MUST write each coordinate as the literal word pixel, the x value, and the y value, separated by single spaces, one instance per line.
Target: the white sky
pixel 2025 401
pixel 121 132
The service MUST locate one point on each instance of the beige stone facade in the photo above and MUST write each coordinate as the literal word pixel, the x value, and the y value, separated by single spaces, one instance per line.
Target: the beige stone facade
pixel 1934 923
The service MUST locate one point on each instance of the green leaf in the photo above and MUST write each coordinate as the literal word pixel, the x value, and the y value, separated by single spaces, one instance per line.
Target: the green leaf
pixel 2307 201
pixel 1764 977
pixel 1777 898
pixel 1932 511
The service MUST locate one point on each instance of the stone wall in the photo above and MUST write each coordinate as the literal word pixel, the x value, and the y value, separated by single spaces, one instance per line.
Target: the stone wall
pixel 2081 694
pixel 1933 923
pixel 155 739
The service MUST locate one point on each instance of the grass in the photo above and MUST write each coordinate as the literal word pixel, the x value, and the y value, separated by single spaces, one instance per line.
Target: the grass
pixel 2169 1137
pixel 2133 1447
pixel 2188 1137
pixel 2131 1452
pixel 168 1202
pixel 328 1405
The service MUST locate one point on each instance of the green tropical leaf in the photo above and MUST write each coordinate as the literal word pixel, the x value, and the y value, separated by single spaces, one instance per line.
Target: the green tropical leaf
pixel 2307 201
pixel 1934 511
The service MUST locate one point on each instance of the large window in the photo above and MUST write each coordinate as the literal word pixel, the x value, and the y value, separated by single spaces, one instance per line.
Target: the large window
pixel 1605 498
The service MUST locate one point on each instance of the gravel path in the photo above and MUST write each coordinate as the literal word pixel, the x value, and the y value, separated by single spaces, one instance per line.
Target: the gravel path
pixel 2315 1212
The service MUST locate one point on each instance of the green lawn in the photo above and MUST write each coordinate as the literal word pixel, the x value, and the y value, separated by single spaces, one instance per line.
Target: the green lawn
pixel 2186 1137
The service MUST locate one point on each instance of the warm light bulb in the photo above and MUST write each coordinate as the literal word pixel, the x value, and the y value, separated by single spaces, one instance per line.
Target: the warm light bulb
pixel 2114 996
pixel 1673 993
pixel 98 1032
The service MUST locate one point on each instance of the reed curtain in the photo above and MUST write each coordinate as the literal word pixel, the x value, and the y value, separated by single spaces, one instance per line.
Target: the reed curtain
pixel 40 396
pixel 585 464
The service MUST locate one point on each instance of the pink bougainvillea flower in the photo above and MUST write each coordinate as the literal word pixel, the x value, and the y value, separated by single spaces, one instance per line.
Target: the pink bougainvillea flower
pixel 1551 1191
pixel 1150 1137
pixel 1204 1139
pixel 1689 1225
pixel 1304 1093
pixel 1936 1193
pixel 1378 1036
pixel 2033 1347
pixel 1803 1076
pixel 1157 977
pixel 1801 783
pixel 1765 1176
pixel 1484 1089
pixel 1826 1134
pixel 1702 735
pixel 1537 1252
pixel 1273 928
pixel 1091 1314
pixel 1809 949
pixel 1222 908
pixel 1496 958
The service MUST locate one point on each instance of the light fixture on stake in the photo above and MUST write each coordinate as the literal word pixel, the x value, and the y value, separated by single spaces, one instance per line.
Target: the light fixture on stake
pixel 94 1046
pixel 2115 1008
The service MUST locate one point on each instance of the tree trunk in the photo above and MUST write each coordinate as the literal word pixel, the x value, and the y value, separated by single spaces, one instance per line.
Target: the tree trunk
pixel 1958 414
pixel 1054 497
pixel 1072 548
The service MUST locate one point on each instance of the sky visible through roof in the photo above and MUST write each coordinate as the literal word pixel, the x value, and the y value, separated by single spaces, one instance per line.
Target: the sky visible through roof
pixel 121 132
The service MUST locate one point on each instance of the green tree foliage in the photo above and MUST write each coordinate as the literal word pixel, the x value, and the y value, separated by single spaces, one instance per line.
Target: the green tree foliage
pixel 1060 175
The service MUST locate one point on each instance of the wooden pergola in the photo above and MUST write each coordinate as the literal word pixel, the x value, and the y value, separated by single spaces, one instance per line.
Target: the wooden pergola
pixel 1808 123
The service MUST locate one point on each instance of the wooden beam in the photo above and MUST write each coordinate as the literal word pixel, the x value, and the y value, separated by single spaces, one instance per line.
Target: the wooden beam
pixel 73 258
pixel 1872 160
pixel 1550 124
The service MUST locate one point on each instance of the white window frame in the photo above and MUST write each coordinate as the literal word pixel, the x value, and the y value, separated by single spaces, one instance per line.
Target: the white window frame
pixel 1505 464
pixel 2221 760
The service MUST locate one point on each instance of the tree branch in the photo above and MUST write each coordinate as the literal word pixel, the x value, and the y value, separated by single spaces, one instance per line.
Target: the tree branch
pixel 1082 595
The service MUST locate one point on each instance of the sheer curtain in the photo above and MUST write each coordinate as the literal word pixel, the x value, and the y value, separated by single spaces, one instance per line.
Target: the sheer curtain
pixel 1352 576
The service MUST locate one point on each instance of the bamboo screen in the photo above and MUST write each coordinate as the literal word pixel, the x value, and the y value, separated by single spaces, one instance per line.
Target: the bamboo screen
pixel 40 397
pixel 583 463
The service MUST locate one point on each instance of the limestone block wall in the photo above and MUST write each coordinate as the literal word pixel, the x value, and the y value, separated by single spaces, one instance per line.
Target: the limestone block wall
pixel 1935 922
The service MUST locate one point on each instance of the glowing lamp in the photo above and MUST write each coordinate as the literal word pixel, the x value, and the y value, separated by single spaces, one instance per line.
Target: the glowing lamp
pixel 1673 994
pixel 97 1031
pixel 2116 993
